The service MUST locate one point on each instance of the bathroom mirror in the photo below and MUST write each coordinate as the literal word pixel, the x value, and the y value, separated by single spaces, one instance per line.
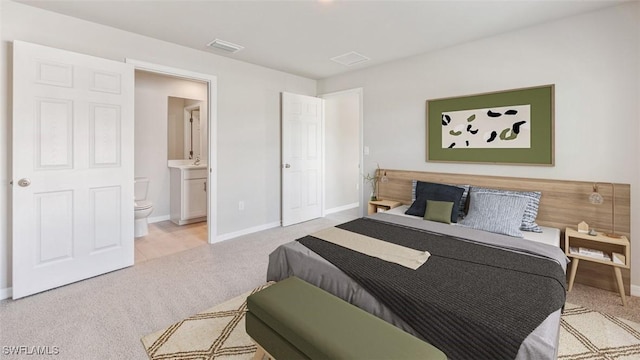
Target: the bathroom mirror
pixel 185 128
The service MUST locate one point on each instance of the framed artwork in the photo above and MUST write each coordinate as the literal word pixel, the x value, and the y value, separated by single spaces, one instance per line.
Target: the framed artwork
pixel 505 127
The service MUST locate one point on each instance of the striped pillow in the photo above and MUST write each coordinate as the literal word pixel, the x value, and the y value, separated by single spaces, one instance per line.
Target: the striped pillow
pixel 495 212
pixel 531 211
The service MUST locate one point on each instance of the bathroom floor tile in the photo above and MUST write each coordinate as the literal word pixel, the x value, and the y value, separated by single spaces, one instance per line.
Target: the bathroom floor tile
pixel 139 256
pixel 166 238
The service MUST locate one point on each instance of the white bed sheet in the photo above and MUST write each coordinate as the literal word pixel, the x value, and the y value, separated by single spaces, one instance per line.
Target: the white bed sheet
pixel 549 235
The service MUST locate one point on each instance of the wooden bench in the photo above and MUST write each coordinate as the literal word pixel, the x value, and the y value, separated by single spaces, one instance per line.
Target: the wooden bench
pixel 293 319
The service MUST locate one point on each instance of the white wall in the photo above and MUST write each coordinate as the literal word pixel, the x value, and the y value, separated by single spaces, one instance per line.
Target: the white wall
pixel 151 131
pixel 593 59
pixel 248 111
pixel 342 149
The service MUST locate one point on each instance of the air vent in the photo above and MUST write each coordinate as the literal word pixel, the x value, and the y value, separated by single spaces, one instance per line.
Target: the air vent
pixel 225 46
pixel 350 58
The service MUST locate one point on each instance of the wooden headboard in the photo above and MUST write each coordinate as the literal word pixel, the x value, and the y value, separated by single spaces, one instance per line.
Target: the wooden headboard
pixel 563 204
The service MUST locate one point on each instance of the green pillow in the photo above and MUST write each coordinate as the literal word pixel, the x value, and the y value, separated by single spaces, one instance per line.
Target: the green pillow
pixel 439 211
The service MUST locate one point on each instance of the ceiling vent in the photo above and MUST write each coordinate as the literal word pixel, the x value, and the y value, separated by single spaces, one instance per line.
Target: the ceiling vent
pixel 225 46
pixel 350 58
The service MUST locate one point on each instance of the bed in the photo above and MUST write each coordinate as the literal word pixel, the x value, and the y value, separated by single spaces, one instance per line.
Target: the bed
pixel 464 326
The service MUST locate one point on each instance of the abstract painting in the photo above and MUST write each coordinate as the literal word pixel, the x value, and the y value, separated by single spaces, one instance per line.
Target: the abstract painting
pixel 506 127
pixel 501 127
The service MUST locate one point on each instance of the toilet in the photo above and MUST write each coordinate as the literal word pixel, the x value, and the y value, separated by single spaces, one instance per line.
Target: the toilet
pixel 142 207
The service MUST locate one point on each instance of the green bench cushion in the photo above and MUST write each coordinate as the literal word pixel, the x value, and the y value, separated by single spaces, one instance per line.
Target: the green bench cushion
pixel 323 326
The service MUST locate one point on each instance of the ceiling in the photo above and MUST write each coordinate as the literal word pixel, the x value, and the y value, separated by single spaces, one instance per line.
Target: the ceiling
pixel 301 37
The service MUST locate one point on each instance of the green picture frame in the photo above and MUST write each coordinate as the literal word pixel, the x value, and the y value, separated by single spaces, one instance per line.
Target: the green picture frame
pixel 539 146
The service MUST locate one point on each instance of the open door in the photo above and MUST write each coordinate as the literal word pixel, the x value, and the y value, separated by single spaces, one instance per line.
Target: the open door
pixel 302 122
pixel 72 167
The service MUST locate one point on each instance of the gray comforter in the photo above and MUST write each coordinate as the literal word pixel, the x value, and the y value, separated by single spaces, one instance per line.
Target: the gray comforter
pixel 296 259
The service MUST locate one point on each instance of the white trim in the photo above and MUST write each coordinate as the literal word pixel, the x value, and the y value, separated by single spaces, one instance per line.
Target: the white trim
pixel 168 70
pixel 212 113
pixel 341 208
pixel 363 204
pixel 343 92
pixel 6 293
pixel 156 219
pixel 635 290
pixel 323 197
pixel 248 231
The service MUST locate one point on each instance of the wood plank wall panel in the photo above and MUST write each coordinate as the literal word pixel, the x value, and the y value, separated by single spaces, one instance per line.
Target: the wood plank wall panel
pixel 563 204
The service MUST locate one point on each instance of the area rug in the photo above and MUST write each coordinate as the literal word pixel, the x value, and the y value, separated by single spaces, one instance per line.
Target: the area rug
pixel 218 333
pixel 587 334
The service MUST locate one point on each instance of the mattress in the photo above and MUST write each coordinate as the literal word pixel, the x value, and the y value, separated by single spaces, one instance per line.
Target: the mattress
pixel 296 259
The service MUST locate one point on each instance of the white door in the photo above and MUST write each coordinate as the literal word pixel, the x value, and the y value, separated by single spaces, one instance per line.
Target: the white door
pixel 72 167
pixel 302 121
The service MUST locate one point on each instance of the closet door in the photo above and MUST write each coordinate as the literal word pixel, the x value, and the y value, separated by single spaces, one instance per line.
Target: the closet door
pixel 302 127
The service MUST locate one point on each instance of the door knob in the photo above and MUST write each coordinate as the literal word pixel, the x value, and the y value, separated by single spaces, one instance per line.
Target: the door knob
pixel 24 182
pixel 286 166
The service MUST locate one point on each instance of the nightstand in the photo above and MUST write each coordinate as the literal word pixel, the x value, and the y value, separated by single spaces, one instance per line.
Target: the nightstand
pixel 384 205
pixel 608 245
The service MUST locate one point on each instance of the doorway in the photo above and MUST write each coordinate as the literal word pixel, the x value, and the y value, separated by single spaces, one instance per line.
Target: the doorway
pixel 343 151
pixel 208 130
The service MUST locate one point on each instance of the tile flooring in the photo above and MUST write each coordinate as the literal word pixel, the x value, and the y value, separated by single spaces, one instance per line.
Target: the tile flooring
pixel 167 238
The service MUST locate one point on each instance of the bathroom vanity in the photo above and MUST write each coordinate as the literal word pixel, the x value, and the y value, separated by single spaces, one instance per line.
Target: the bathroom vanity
pixel 188 193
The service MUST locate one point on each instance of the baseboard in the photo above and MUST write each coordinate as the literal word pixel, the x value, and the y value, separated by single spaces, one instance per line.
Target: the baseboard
pixel 248 231
pixel 6 293
pixel 156 219
pixel 341 208
pixel 635 290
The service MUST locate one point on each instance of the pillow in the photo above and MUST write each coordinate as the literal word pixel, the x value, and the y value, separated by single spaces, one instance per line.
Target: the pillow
pixel 495 212
pixel 463 200
pixel 531 212
pixel 439 211
pixel 434 191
